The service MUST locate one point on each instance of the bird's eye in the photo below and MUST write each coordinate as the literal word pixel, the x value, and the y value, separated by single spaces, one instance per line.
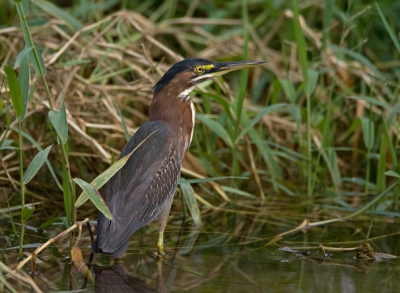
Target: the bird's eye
pixel 199 69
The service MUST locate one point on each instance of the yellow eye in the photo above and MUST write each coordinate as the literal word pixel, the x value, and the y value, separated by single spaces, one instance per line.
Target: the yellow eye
pixel 199 69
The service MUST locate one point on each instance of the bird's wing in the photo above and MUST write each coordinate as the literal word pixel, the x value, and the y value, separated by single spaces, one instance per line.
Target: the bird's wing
pixel 135 194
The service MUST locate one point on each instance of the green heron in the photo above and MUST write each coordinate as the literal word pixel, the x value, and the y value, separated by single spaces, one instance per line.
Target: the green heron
pixel 144 188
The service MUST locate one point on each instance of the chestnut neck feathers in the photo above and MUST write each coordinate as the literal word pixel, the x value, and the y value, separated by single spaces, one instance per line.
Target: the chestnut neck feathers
pixel 173 106
pixel 171 103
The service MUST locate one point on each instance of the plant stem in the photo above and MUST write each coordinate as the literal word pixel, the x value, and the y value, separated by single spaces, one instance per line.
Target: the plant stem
pixel 367 176
pixel 48 95
pixel 22 185
pixel 35 54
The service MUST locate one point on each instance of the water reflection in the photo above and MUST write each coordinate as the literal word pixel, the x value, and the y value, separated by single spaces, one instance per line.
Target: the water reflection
pixel 115 279
pixel 232 254
pixel 118 278
pixel 361 266
pixel 207 269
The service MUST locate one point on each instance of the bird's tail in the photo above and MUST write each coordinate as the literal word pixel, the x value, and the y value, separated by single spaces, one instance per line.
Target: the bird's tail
pixel 102 248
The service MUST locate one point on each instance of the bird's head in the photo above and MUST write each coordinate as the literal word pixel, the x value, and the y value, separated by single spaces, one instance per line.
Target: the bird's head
pixel 171 102
pixel 184 75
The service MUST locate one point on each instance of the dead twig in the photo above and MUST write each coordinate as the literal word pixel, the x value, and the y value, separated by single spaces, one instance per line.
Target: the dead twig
pixel 50 241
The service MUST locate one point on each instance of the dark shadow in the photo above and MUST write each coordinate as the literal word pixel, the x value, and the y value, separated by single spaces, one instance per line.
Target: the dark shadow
pixel 114 279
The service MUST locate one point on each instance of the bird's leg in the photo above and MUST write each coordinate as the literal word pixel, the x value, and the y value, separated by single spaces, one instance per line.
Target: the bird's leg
pixel 163 218
pixel 160 243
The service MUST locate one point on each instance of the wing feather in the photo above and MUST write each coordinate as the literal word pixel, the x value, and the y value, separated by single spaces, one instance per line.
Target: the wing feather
pixel 136 193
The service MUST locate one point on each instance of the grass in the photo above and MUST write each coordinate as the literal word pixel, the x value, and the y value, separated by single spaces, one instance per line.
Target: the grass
pixel 321 120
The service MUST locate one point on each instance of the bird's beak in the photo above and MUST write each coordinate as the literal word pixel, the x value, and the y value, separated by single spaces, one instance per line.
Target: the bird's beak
pixel 221 68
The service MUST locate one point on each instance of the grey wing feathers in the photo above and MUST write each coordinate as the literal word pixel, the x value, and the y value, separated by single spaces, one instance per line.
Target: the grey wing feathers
pixel 135 194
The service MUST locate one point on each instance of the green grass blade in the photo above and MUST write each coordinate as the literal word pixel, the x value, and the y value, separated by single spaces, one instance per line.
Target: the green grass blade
pixel 21 56
pixel 102 179
pixel 266 152
pixel 63 121
pixel 48 223
pixel 24 79
pixel 223 103
pixel 34 56
pixel 54 117
pixel 300 41
pixel 331 160
pixel 25 7
pixel 380 172
pixel 15 92
pixel 36 164
pixel 392 149
pixel 368 129
pixel 6 145
pixel 59 121
pixel 238 192
pixel 257 118
pixel 192 181
pixel 393 36
pixel 127 136
pixel 27 212
pixel 53 10
pixel 371 101
pixel 190 199
pixel 312 81
pixel 95 197
pixel 217 128
pixel 328 13
pixel 295 111
pixel 190 242
pixel 357 56
pixel 302 53
pixel 244 73
pixel 392 173
pixel 289 90
pixel 39 148
pixel 67 188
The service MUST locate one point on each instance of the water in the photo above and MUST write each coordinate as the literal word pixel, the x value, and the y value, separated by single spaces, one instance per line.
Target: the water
pixel 229 254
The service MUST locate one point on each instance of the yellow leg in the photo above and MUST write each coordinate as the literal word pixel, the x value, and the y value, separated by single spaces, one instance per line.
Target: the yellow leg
pixel 160 243
pixel 163 218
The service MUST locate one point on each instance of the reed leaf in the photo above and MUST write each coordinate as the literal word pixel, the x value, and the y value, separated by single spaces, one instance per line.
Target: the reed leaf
pixel 36 164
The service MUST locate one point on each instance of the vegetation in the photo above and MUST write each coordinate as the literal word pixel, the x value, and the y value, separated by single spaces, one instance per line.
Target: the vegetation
pixel 319 122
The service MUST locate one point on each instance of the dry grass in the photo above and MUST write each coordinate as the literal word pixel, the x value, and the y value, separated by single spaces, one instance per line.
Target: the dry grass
pixel 104 69
pixel 122 56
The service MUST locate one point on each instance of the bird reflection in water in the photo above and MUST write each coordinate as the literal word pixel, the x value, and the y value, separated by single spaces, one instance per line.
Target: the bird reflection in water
pixel 114 279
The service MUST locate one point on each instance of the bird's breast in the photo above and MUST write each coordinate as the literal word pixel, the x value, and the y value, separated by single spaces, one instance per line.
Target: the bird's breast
pixel 187 130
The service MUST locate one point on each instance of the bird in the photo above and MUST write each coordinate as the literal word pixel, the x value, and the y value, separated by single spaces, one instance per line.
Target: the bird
pixel 144 188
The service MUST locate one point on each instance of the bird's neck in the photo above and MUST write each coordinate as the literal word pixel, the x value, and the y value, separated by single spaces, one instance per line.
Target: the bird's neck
pixel 178 112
